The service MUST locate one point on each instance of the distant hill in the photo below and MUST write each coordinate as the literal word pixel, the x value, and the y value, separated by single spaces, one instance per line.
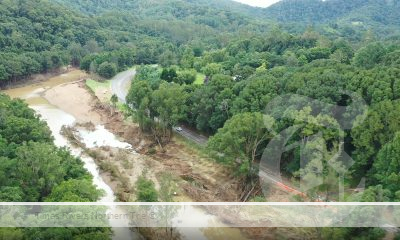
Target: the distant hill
pixel 312 11
pixel 169 9
pixel 180 16
pixel 383 16
pixel 330 16
pixel 143 6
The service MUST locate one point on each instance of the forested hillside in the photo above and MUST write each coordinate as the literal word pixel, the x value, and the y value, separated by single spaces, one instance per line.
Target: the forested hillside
pixel 382 16
pixel 41 35
pixel 141 7
pixel 36 36
pixel 313 11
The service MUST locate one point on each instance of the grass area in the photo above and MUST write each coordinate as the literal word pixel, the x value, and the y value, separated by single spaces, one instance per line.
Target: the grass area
pixel 94 85
pixel 199 79
pixel 200 150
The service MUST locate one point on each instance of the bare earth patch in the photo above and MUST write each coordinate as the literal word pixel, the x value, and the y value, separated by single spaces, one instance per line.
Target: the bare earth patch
pixel 74 99
pixel 121 169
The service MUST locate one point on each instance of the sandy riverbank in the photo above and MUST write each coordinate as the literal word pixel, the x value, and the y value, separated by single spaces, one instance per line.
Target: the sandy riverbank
pixel 75 100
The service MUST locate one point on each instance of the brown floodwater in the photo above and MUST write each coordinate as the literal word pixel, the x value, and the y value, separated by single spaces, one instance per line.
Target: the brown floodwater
pixel 32 93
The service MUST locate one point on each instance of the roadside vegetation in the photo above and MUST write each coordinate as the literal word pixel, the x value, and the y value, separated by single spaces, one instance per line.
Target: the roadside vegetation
pixel 242 79
pixel 95 85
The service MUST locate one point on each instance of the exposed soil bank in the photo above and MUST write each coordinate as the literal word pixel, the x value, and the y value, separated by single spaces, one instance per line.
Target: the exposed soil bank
pixel 74 99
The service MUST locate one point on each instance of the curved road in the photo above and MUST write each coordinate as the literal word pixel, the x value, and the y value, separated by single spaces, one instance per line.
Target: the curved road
pixel 120 86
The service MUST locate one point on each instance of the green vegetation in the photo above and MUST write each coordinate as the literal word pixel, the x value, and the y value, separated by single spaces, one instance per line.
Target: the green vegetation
pixel 114 100
pixel 33 169
pixel 107 70
pixel 339 17
pixel 199 79
pixel 145 190
pixel 246 75
pixel 94 85
pixel 108 63
pixel 214 67
pixel 240 139
pixel 39 36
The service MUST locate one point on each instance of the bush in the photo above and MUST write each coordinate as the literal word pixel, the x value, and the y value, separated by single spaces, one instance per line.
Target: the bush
pixel 152 151
pixel 145 190
pixel 169 74
pixel 188 77
pixel 107 70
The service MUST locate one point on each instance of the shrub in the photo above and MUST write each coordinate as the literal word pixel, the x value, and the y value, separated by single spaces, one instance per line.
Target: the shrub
pixel 107 70
pixel 145 190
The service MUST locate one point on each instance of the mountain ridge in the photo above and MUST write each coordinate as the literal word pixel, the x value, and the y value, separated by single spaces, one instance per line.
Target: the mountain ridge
pixel 382 16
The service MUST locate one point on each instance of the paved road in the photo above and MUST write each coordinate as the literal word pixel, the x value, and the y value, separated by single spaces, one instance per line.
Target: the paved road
pixel 120 86
pixel 195 137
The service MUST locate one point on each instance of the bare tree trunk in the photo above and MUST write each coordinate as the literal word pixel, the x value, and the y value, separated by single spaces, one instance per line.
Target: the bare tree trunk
pixel 249 193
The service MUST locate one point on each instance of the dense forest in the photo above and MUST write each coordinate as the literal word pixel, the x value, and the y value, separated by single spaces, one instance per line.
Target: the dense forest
pixel 339 17
pixel 213 67
pixel 42 35
pixel 245 76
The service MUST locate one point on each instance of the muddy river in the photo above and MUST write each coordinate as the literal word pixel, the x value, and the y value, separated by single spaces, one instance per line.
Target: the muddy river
pixel 56 118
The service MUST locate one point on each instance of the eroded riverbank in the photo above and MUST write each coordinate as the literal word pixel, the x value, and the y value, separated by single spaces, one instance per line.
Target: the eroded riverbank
pixel 56 118
pixel 64 100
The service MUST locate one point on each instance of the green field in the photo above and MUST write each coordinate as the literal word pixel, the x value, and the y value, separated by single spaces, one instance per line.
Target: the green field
pixel 94 85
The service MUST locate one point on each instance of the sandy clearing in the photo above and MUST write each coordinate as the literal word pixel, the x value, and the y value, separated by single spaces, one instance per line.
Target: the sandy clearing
pixel 75 100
